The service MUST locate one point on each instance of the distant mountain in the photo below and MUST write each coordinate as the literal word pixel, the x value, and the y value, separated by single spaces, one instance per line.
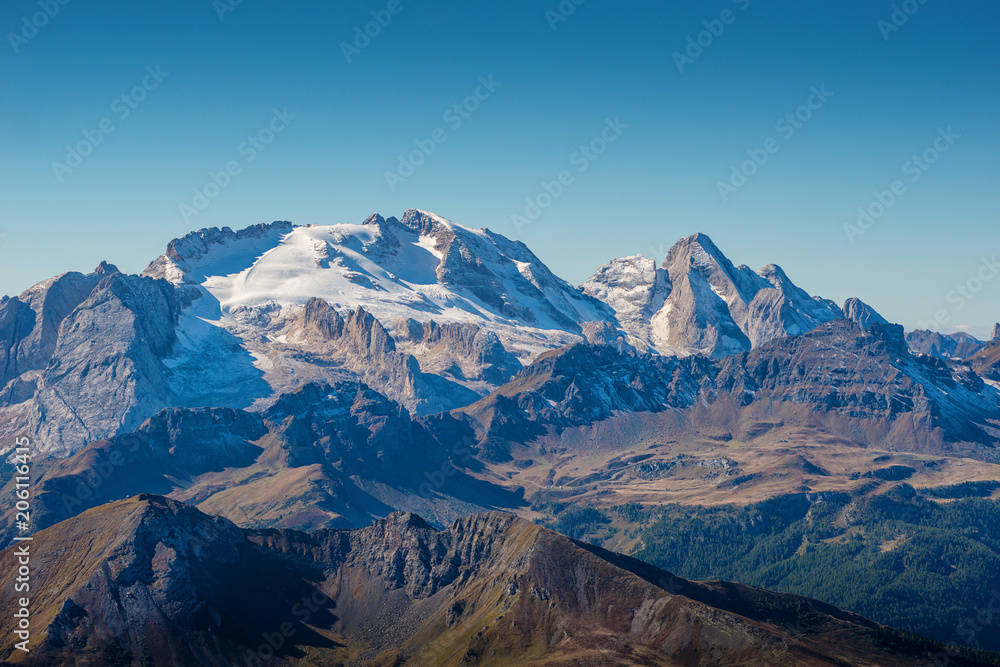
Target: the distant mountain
pixel 152 581
pixel 861 383
pixel 957 345
pixel 421 267
pixel 698 302
pixel 431 314
pixel 870 380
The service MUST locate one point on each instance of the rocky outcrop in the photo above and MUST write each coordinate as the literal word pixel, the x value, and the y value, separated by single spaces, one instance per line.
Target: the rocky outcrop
pixel 156 582
pixel 361 345
pixel 463 351
pixel 698 302
pixel 84 356
pixel 356 429
pixel 862 314
pixel 897 399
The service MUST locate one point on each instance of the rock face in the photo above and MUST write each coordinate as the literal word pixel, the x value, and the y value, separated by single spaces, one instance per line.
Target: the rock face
pixel 862 314
pixel 699 303
pixel 986 362
pixel 944 346
pixel 635 289
pixel 29 324
pixel 156 582
pixel 902 401
pixel 359 343
pixel 995 335
pixel 84 356
pixel 459 350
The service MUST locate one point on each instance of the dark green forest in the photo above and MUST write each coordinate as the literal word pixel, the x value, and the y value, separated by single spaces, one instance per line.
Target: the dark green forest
pixel 898 557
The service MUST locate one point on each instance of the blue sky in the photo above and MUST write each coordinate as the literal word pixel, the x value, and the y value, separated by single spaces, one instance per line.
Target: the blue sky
pixel 560 76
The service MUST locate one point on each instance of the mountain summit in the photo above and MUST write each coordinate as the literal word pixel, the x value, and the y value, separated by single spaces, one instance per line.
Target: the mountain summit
pixel 698 302
pixel 421 266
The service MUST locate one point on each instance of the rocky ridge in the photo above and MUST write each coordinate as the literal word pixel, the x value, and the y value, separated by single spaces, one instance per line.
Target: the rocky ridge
pixel 156 581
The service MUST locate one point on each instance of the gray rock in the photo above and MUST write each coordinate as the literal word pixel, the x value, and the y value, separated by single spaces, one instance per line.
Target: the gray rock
pixel 700 303
pixel 862 314
pixel 106 372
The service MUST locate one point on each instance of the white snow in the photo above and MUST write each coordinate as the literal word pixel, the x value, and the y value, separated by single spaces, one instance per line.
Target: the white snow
pixel 389 270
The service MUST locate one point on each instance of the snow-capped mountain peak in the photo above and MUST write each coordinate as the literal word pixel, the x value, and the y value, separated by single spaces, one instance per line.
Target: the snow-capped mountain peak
pixel 700 302
pixel 421 267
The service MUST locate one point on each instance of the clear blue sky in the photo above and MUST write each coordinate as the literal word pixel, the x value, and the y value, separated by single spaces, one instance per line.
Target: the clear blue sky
pixel 658 181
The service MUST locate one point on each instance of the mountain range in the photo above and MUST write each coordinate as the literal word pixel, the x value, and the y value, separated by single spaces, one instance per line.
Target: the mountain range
pixel 369 407
pixel 431 313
